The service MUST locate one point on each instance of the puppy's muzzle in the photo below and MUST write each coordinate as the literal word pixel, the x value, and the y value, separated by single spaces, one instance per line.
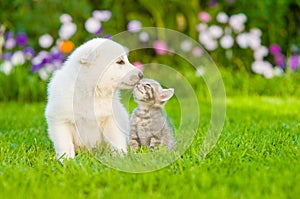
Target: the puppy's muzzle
pixel 141 75
pixel 131 79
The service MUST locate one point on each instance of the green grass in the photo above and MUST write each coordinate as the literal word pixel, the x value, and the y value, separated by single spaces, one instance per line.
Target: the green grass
pixel 257 156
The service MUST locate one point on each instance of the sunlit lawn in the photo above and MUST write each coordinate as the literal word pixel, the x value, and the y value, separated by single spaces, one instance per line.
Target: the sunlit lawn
pixel 257 156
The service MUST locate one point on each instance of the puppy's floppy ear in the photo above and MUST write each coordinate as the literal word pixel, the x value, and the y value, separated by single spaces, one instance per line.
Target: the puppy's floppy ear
pixel 166 94
pixel 89 57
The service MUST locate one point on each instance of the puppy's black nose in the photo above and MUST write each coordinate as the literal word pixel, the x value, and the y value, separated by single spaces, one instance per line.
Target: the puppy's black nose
pixel 140 75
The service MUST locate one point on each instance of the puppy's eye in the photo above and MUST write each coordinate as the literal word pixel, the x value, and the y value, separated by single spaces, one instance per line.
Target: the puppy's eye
pixel 121 62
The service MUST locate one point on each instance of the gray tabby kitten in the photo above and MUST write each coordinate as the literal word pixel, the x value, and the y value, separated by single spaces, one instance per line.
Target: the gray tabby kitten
pixel 149 125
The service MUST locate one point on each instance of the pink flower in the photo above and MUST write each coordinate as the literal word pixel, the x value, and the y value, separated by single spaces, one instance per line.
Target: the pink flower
pixel 197 52
pixel 275 49
pixel 139 65
pixel 204 16
pixel 160 47
pixel 279 60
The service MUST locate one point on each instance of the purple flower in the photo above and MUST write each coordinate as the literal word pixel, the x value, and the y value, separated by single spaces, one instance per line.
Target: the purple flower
pixel 7 56
pixel 56 64
pixel 279 60
pixel 275 49
pixel 57 55
pixel 29 52
pixel 40 60
pixel 213 3
pixel 36 68
pixel 294 62
pixel 8 35
pixel 98 32
pixel 22 39
pixel 107 36
pixel 160 47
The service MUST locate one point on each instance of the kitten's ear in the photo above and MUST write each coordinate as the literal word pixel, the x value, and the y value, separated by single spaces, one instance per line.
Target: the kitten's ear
pixel 166 94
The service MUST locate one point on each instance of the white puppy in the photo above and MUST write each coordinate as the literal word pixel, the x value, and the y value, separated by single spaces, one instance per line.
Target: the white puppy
pixel 83 106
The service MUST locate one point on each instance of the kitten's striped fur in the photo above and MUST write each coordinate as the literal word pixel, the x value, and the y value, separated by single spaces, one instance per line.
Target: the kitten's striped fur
pixel 149 125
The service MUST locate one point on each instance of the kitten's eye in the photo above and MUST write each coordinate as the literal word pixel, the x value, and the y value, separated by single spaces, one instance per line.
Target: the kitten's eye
pixel 121 62
pixel 147 85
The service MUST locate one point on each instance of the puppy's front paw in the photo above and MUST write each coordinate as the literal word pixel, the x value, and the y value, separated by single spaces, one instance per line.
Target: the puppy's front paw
pixel 66 154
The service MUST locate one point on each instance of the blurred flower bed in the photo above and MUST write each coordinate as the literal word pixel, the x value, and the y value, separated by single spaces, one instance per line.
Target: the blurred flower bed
pixel 231 38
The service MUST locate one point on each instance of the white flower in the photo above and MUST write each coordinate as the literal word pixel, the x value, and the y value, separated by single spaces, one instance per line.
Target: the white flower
pixel 6 67
pixel 18 58
pixel 92 25
pixel 226 41
pixel 260 53
pixel 239 28
pixel 186 45
pixel 237 22
pixel 268 73
pixel 134 26
pixel 67 30
pixel 264 68
pixel 242 40
pixel 65 18
pixel 254 41
pixel 10 43
pixel 204 37
pixel 102 15
pixel 215 31
pixel 49 68
pixel 211 45
pixel 257 67
pixel 201 27
pixel 222 17
pixel 44 75
pixel 45 41
pixel 40 57
pixel 144 37
pixel 256 31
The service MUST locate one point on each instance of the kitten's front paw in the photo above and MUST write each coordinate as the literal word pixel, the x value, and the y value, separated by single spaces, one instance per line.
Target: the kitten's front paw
pixel 152 148
pixel 134 145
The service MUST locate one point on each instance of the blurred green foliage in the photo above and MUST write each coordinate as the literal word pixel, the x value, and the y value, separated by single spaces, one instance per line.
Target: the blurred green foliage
pixel 278 19
pixel 22 86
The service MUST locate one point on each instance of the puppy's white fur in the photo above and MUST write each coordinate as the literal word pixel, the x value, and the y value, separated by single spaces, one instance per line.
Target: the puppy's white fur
pixel 83 106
